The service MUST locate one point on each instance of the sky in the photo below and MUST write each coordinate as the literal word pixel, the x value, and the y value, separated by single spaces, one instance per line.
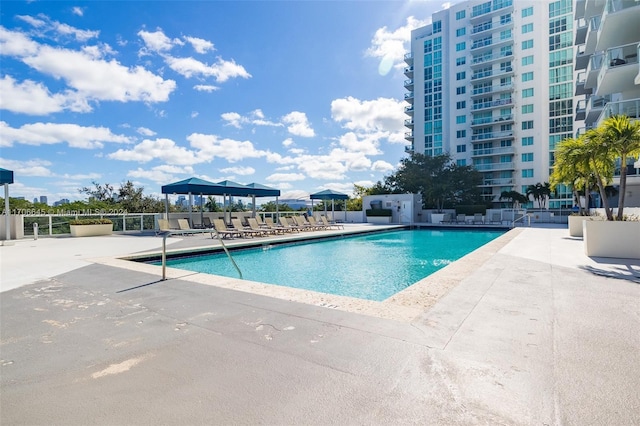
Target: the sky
pixel 297 95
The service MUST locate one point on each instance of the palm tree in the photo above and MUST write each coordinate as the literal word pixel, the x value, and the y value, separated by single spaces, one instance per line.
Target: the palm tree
pixel 539 192
pixel 621 136
pixel 514 197
pixel 572 168
pixel 601 163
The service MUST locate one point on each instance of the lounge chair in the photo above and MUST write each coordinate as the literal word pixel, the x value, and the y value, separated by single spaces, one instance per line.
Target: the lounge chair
pixel 302 224
pixel 223 231
pixel 206 222
pixel 447 218
pixel 461 218
pixel 163 226
pixel 477 219
pixel 253 224
pixel 314 223
pixel 237 225
pixel 326 223
pixel 496 218
pixel 284 222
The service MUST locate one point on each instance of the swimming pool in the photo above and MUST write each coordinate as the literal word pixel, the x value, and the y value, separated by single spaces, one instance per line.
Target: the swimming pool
pixel 372 266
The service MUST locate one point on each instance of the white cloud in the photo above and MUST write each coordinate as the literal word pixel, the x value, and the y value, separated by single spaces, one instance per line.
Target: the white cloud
pixel 80 35
pixel 392 45
pixel 162 149
pixel 255 117
pixel 287 142
pixel 36 167
pixel 194 114
pixel 211 146
pixel 154 175
pixel 222 70
pixel 379 118
pixel 233 119
pixel 53 133
pixel 145 132
pixel 205 88
pixel 285 177
pixel 242 171
pixel 29 97
pixel 200 45
pixel 298 124
pixel 382 166
pixel 77 11
pixel 157 41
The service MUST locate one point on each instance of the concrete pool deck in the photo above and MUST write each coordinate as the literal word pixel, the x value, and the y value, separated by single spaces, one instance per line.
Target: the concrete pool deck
pixel 528 331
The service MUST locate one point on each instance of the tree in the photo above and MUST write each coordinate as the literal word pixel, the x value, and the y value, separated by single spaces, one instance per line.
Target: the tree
pixel 271 207
pixel 211 205
pixel 601 163
pixel 132 199
pixel 572 168
pixel 99 192
pixel 540 192
pixel 622 138
pixel 514 197
pixel 438 180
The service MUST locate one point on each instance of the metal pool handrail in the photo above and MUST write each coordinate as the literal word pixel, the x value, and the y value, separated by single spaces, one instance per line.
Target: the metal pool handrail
pixel 212 231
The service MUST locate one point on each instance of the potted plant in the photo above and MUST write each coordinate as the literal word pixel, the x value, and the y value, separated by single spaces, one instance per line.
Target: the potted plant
pixel 90 227
pixel 591 158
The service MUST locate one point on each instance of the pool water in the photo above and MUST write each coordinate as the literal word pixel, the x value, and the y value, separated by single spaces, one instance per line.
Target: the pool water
pixel 372 267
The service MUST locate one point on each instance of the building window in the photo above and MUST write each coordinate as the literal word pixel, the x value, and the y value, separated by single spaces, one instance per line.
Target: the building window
pixel 461 162
pixel 527 76
pixel 527 12
pixel 461 104
pixel 527 93
pixel 461 90
pixel 461 119
pixel 437 27
pixel 461 60
pixel 527 44
pixel 461 134
pixel 527 141
pixel 527 109
pixel 527 28
pixel 527 157
pixel 527 125
pixel 461 148
pixel 527 60
pixel 461 75
pixel 461 31
pixel 527 173
pixel 460 15
pixel 461 46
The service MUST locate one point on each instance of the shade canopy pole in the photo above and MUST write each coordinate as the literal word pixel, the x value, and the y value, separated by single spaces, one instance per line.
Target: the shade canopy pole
pixel 7 213
pixel 166 206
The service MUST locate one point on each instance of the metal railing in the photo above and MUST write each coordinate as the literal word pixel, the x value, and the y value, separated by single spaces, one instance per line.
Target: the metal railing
pixel 521 218
pixel 58 223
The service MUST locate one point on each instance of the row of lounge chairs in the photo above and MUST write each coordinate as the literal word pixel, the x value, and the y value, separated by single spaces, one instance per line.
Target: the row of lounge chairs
pixel 255 228
pixel 478 219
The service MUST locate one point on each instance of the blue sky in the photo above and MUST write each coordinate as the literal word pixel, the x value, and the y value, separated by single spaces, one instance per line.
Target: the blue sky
pixel 298 95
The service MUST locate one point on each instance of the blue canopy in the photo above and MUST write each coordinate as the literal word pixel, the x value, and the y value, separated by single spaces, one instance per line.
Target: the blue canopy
pixel 329 194
pixel 264 191
pixel 199 186
pixel 6 176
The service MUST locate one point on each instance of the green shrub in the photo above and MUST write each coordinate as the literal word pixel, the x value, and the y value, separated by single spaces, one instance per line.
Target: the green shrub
pixel 90 222
pixel 378 212
pixel 471 209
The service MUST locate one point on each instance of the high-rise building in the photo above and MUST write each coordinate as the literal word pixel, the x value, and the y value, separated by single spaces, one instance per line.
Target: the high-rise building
pixel 491 84
pixel 43 199
pixel 607 39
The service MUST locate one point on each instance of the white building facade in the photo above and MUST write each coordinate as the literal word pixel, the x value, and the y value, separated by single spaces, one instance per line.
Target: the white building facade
pixel 492 84
pixel 607 39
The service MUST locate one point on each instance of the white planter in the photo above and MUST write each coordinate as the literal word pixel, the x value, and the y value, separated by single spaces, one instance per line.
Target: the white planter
pixel 437 217
pixel 91 230
pixel 611 239
pixel 378 219
pixel 575 225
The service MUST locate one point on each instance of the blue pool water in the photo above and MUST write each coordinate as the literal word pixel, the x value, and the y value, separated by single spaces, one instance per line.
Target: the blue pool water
pixel 373 267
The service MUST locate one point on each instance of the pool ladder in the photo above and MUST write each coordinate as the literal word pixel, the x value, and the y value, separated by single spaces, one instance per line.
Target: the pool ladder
pixel 166 234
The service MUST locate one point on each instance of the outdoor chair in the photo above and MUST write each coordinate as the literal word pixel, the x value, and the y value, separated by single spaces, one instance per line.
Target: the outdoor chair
pixel 223 231
pixel 284 222
pixel 461 218
pixel 263 231
pixel 447 218
pixel 237 225
pixel 477 219
pixel 325 222
pixel 318 226
pixel 496 218
pixel 206 222
pixel 302 224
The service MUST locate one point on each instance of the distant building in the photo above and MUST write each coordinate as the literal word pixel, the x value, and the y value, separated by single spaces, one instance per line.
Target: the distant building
pixel 296 203
pixel 60 202
pixel 43 199
pixel 35 200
